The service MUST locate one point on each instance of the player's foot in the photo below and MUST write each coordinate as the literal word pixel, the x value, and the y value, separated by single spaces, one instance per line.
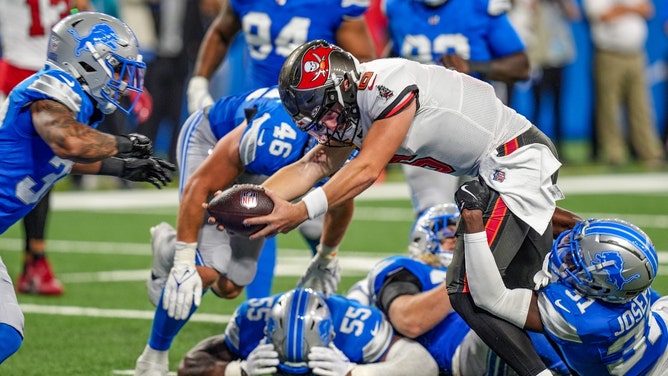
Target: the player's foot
pixel 39 279
pixel 152 363
pixel 163 237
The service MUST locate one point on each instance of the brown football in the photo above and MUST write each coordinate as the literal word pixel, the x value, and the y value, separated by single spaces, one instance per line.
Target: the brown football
pixel 237 203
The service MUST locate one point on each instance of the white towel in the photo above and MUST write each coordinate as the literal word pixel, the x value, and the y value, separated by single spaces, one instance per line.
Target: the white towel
pixel 524 181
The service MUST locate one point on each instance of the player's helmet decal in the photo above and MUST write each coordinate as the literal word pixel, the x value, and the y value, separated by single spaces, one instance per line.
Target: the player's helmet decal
pixel 610 262
pixel 100 33
pixel 315 71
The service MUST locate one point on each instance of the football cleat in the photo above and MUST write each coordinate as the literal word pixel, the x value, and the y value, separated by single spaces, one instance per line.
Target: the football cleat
pixel 39 279
pixel 152 363
pixel 163 237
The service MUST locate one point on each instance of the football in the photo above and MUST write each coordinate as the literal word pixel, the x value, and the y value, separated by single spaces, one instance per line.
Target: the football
pixel 237 203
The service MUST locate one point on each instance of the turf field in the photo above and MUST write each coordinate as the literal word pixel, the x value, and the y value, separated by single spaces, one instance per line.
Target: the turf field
pixel 99 245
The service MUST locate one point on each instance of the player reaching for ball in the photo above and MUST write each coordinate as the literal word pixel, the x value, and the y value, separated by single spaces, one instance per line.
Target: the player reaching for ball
pixel 239 139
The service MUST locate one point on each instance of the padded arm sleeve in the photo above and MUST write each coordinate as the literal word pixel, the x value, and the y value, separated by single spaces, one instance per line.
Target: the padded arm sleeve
pixel 400 283
pixel 405 357
pixel 487 287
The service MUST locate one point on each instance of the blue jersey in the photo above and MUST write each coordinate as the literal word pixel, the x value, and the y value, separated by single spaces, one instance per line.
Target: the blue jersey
pixel 271 140
pixel 361 332
pixel 273 29
pixel 29 167
pixel 442 340
pixel 462 27
pixel 598 338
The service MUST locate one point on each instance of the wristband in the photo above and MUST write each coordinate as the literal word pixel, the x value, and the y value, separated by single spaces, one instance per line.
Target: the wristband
pixel 185 252
pixel 233 368
pixel 483 68
pixel 112 167
pixel 326 250
pixel 316 203
pixel 123 144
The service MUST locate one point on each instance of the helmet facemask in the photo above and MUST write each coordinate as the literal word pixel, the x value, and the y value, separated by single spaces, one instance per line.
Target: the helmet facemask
pixel 318 87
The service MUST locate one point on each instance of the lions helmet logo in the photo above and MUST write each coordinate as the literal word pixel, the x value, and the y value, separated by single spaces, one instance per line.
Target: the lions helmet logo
pixel 100 33
pixel 605 260
pixel 315 67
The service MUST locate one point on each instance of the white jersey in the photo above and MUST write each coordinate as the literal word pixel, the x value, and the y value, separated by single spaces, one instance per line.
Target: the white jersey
pixel 25 28
pixel 458 129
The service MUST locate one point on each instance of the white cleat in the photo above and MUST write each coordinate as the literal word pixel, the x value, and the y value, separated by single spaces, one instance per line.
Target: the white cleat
pixel 163 238
pixel 152 363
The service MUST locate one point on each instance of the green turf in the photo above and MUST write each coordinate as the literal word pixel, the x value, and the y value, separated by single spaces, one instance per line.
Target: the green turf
pixel 80 345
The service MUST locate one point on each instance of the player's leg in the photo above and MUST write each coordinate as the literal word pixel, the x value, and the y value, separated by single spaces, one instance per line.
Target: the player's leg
pixel 37 276
pixel 429 188
pixel 264 278
pixel 11 317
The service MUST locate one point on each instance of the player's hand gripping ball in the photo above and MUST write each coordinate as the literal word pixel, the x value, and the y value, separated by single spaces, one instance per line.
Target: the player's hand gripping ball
pixel 237 203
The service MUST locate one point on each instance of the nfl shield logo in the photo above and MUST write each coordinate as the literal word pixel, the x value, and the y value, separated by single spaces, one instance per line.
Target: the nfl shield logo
pixel 499 176
pixel 248 199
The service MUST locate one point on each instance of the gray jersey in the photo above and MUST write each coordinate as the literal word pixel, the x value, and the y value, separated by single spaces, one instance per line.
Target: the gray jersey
pixel 10 312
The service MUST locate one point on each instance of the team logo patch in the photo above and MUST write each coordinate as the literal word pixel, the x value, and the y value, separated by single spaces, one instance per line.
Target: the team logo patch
pixel 100 33
pixel 248 199
pixel 315 67
pixel 613 260
pixel 499 176
pixel 384 92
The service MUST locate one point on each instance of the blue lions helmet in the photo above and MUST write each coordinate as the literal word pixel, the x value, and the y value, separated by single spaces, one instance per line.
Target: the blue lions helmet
pixel 608 259
pixel 102 53
pixel 430 229
pixel 299 320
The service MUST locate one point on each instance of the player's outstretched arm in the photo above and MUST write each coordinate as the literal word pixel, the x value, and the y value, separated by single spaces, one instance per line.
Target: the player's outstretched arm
pixel 354 36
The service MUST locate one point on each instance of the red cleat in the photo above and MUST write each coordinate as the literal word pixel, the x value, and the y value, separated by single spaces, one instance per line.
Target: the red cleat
pixel 39 279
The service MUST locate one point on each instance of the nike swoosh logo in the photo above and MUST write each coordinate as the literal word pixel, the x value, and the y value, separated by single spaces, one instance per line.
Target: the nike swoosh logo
pixel 558 304
pixel 375 330
pixel 68 82
pixel 259 139
pixel 469 192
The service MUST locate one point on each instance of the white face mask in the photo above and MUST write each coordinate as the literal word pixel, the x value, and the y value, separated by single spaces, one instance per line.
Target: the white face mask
pixel 433 3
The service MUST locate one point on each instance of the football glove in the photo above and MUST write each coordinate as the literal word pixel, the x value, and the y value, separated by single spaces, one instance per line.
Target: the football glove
pixel 323 274
pixel 152 170
pixel 198 94
pixel 329 361
pixel 184 285
pixel 261 361
pixel 134 145
pixel 472 195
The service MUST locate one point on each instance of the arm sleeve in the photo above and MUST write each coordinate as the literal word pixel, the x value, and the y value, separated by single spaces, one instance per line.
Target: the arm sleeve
pixel 405 357
pixel 487 287
pixel 400 283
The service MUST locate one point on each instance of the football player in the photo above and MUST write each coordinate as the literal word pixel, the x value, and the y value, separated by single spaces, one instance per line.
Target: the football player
pixel 401 111
pixel 303 332
pixel 239 139
pixel 470 36
pixel 271 30
pixel 47 123
pixel 411 291
pixel 594 303
pixel 25 30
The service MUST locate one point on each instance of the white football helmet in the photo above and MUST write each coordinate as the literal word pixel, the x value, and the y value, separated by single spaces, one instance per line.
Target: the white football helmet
pixel 430 229
pixel 311 88
pixel 102 53
pixel 299 320
pixel 607 259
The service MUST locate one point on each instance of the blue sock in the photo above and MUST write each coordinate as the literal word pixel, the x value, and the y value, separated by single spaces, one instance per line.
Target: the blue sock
pixel 10 341
pixel 264 277
pixel 165 328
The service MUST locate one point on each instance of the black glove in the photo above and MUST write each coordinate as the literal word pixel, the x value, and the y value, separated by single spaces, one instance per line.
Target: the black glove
pixel 472 195
pixel 134 145
pixel 153 170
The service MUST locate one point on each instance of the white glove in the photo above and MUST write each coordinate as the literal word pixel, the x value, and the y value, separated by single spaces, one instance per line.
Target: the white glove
pixel 329 361
pixel 184 285
pixel 323 274
pixel 198 94
pixel 261 361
